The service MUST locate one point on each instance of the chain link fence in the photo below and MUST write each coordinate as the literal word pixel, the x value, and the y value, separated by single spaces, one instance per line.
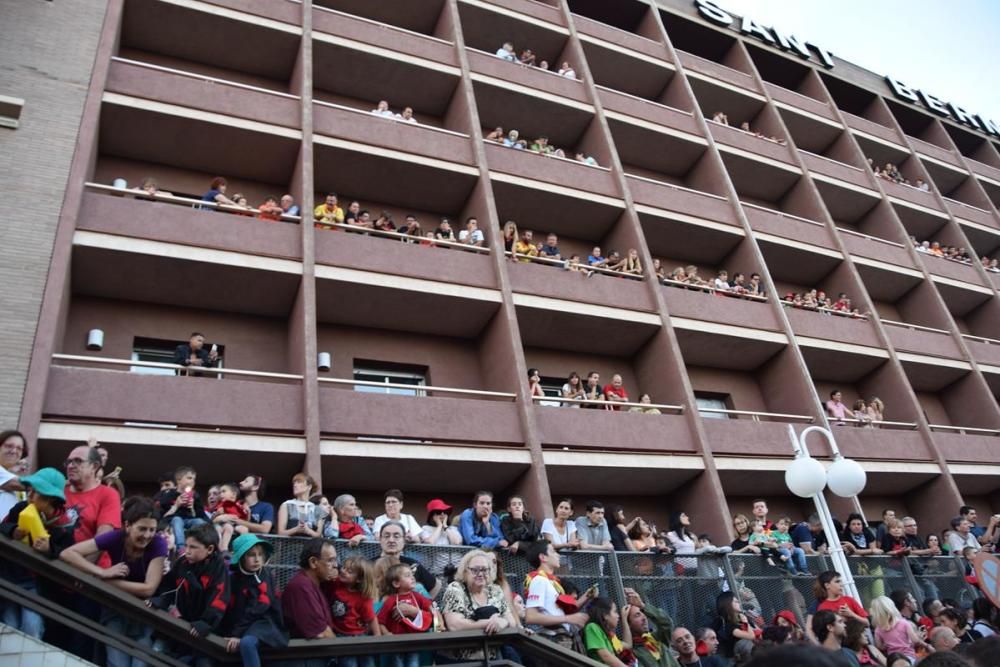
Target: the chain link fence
pixel 686 587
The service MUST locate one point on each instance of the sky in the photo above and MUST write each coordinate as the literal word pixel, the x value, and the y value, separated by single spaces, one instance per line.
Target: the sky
pixel 949 48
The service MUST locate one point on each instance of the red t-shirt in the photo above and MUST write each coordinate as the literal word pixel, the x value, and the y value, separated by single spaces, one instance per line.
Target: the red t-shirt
pixel 97 507
pixel 386 618
pixel 610 390
pixel 834 605
pixel 350 610
pixel 305 608
pixel 349 529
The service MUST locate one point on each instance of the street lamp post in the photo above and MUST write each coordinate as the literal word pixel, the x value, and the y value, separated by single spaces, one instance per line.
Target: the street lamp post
pixel 806 477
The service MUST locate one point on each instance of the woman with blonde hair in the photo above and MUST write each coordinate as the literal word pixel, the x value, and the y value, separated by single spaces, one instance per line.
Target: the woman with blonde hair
pixel 474 602
pixel 893 633
pixel 876 409
pixel 510 235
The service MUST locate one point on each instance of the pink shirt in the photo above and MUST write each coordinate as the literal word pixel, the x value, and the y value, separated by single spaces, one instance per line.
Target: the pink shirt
pixel 896 639
pixel 836 409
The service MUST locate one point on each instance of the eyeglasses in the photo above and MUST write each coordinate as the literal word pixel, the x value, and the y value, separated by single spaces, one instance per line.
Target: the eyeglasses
pixel 74 462
pixel 478 570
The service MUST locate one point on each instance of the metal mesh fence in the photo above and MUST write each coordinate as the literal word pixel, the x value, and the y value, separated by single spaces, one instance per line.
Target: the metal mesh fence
pixel 686 587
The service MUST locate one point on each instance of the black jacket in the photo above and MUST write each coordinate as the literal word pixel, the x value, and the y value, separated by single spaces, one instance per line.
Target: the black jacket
pixel 254 609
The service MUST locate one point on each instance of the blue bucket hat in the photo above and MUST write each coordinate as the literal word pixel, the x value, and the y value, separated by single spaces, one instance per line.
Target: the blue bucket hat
pixel 245 543
pixel 47 482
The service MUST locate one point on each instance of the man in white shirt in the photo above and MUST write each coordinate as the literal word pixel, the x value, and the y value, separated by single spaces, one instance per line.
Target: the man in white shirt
pixel 383 110
pixel 961 536
pixel 472 235
pixel 542 593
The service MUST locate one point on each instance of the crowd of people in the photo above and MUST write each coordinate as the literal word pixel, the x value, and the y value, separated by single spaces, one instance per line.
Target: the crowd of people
pixel 817 300
pixel 890 172
pixel 954 253
pixel 723 119
pixel 382 110
pixel 204 558
pixel 530 59
pixel 864 413
pixel 541 145
pixel 589 393
pixel 737 285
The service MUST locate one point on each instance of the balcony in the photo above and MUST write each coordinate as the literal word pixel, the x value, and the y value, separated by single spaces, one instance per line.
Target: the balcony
pixel 285 12
pixel 156 83
pixel 487 68
pixel 840 171
pixel 875 248
pixel 922 340
pixel 489 418
pixel 174 220
pixel 361 126
pixel 678 199
pixel 400 255
pixel 422 17
pixel 874 130
pixel 551 279
pixel 936 152
pixel 379 33
pixel 719 308
pixel 952 269
pixel 751 144
pixel 606 37
pixel 584 429
pixel 827 325
pixel 787 226
pixel 641 110
pixel 699 68
pixel 969 212
pixel 270 402
pixel 799 102
pixel 750 436
pixel 911 195
pixel 534 10
pixel 563 172
pixel 984 350
pixel 983 170
pixel 896 441
pixel 968 445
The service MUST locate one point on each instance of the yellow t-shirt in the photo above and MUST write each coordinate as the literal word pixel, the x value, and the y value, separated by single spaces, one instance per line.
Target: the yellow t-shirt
pixel 523 248
pixel 325 216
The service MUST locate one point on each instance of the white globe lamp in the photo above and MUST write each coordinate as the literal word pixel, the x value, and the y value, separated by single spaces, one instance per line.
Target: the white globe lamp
pixel 805 477
pixel 846 477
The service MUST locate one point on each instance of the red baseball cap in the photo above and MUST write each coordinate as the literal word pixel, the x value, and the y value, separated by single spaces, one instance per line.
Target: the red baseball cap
pixel 438 505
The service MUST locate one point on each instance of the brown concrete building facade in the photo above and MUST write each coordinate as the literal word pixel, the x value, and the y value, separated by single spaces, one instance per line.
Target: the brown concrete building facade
pixel 430 345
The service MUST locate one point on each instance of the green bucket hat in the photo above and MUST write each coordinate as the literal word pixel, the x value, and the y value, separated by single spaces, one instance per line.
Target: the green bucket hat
pixel 245 543
pixel 47 482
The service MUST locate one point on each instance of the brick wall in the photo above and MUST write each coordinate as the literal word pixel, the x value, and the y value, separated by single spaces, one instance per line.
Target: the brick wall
pixel 46 57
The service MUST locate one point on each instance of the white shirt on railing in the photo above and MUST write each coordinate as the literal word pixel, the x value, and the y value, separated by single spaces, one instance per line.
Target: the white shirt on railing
pixel 549 526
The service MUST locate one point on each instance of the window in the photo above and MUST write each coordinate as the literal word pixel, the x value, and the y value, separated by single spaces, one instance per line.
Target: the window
pixel 162 352
pixel 385 374
pixel 552 387
pixel 710 401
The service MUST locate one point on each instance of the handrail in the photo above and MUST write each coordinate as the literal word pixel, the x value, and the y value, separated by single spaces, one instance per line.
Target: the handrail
pixel 907 325
pixel 908 185
pixel 924 142
pixel 830 159
pixel 383 25
pixel 361 112
pixel 414 240
pixel 962 203
pixel 780 214
pixel 711 289
pixel 204 77
pixel 612 27
pixel 674 409
pixel 964 429
pixel 882 423
pixel 984 339
pixel 849 115
pixel 963 262
pixel 829 311
pixel 531 67
pixel 174 199
pixel 675 186
pixel 869 237
pixel 756 416
pixel 643 99
pixel 298 650
pixel 552 156
pixel 755 135
pixel 794 92
pixel 422 388
pixel 564 264
pixel 175 367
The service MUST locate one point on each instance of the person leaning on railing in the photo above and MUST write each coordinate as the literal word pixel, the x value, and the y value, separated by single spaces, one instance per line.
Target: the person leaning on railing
pixel 543 593
pixel 473 602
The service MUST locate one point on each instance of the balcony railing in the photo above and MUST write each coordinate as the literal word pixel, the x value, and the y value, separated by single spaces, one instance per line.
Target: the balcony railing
pixel 398 121
pixel 756 416
pixel 977 209
pixel 875 423
pixel 566 266
pixel 423 390
pixel 825 311
pixel 219 372
pixel 204 77
pixel 137 193
pixel 965 430
pixel 711 289
pixel 406 238
pixel 611 406
pixel 876 239
pixel 915 327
